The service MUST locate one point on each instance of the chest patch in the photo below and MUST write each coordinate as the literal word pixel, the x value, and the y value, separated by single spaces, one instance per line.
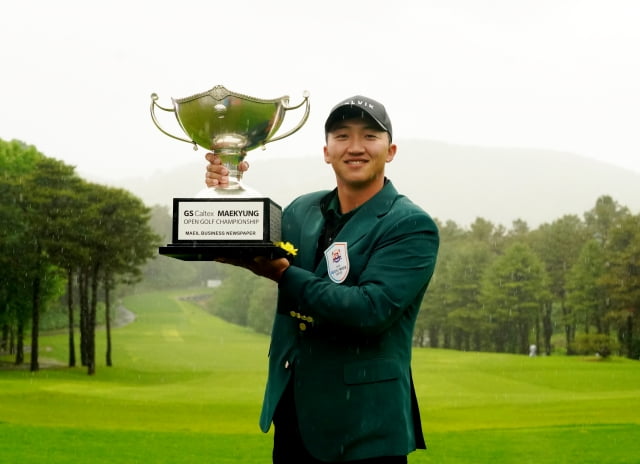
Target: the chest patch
pixel 337 259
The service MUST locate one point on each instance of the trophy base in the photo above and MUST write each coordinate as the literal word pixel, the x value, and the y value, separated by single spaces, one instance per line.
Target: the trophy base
pixel 202 252
pixel 207 229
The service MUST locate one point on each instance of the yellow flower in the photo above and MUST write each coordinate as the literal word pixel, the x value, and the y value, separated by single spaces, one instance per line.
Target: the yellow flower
pixel 288 247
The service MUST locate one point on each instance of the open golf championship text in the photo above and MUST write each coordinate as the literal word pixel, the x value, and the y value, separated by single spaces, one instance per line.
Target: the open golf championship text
pixel 221 221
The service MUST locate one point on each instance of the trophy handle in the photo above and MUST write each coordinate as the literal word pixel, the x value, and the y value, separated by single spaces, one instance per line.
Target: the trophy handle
pixel 154 99
pixel 305 95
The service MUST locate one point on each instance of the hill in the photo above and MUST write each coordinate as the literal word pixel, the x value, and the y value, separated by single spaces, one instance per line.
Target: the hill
pixel 451 182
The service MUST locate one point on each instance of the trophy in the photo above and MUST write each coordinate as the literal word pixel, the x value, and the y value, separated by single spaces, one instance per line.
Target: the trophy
pixel 230 221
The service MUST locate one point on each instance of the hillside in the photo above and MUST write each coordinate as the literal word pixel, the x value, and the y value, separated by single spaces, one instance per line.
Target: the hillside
pixel 452 182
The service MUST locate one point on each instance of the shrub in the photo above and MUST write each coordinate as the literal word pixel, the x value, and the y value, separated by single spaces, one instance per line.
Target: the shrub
pixel 598 344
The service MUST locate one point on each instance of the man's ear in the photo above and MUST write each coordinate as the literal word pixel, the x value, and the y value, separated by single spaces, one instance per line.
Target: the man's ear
pixel 391 153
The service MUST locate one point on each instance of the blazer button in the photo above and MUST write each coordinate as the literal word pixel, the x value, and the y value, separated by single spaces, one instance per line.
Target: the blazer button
pixel 302 326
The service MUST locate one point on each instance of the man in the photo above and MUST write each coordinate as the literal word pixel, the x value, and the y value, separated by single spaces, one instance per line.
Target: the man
pixel 340 386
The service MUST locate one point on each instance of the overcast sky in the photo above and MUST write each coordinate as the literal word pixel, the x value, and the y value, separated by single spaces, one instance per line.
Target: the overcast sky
pixel 76 76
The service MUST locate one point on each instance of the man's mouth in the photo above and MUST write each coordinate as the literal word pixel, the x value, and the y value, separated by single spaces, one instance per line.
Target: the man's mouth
pixel 355 161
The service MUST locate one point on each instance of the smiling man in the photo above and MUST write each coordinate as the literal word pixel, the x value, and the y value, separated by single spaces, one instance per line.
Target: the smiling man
pixel 340 387
pixel 358 136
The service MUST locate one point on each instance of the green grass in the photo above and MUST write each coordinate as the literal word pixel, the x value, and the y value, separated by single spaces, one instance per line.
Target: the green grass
pixel 187 387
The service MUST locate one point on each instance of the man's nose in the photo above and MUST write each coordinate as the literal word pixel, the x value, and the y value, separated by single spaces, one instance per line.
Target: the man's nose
pixel 356 145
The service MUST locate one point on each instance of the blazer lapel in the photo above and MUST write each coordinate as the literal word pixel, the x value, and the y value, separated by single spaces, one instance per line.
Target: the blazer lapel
pixel 362 221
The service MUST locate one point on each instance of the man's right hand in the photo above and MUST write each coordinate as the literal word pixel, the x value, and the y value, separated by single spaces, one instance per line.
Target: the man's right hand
pixel 217 174
pixel 270 268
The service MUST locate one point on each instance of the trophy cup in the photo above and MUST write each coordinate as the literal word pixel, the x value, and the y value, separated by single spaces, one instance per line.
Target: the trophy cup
pixel 232 220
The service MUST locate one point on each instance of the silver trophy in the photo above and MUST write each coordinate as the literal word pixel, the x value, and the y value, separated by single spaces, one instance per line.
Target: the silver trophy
pixel 231 220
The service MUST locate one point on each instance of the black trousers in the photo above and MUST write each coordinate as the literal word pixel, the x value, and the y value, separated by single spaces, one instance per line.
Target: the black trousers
pixel 287 442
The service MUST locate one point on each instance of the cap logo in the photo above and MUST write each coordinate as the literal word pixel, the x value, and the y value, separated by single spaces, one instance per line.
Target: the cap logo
pixel 359 103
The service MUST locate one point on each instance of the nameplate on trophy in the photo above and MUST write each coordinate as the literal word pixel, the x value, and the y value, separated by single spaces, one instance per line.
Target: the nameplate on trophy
pixel 226 221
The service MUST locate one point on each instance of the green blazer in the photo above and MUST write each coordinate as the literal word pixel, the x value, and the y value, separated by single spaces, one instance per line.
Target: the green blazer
pixel 347 346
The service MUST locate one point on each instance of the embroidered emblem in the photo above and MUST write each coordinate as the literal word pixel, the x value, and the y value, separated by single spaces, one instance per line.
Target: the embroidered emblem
pixel 337 261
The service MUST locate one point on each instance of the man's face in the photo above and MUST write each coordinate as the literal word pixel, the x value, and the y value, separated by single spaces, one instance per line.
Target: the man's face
pixel 358 149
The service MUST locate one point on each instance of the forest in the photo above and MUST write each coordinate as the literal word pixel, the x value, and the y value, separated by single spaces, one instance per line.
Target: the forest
pixel 63 238
pixel 69 248
pixel 505 290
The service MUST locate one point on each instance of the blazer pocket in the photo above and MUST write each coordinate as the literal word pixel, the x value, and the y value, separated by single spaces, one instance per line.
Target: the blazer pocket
pixel 373 370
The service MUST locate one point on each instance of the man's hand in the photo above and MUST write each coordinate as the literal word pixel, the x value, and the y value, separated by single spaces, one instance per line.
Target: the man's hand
pixel 217 174
pixel 269 268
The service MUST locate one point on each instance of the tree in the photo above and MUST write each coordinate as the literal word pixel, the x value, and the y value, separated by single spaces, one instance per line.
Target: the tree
pixel 602 221
pixel 514 289
pixel 558 245
pixel 587 298
pixel 115 233
pixel 485 231
pixel 47 203
pixel 34 185
pixel 622 281
pixel 603 217
pixel 17 159
pixel 466 316
pixel 431 324
pixel 124 243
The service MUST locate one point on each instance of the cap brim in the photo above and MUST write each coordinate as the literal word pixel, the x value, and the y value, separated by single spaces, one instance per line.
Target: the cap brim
pixel 350 112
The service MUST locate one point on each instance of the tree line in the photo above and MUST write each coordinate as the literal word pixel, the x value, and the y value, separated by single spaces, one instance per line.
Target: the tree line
pixel 504 290
pixel 575 280
pixel 62 236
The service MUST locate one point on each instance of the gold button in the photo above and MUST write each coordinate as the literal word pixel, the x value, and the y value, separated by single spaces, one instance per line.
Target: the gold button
pixel 302 326
pixel 292 313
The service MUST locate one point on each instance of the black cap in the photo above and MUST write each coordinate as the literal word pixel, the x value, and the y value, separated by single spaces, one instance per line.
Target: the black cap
pixel 354 107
